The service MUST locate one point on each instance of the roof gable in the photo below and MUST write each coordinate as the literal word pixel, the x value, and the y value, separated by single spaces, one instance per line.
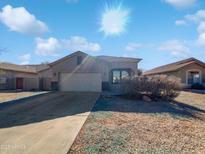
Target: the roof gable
pixel 118 59
pixel 68 57
pixel 174 66
pixel 89 62
pixel 18 68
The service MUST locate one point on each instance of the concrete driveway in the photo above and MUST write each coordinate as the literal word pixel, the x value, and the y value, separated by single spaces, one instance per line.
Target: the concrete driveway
pixel 46 123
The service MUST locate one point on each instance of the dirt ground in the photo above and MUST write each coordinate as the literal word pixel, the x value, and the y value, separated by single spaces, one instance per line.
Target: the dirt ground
pixel 47 123
pixel 13 95
pixel 121 126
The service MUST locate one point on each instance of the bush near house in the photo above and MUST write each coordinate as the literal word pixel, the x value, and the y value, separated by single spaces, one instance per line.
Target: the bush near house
pixel 156 87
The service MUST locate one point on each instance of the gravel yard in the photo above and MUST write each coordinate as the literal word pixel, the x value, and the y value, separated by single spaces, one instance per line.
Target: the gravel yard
pixel 117 125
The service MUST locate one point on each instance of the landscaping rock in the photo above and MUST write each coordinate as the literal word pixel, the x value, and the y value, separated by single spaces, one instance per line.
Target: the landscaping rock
pixel 123 126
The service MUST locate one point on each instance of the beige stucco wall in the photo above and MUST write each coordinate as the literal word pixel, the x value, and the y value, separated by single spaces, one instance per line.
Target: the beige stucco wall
pixel 181 73
pixel 45 79
pixel 10 79
pixel 129 65
pixel 89 65
pixel 106 68
pixel 30 81
pixel 46 74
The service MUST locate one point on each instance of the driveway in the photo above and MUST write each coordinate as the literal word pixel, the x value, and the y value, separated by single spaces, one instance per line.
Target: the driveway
pixel 47 123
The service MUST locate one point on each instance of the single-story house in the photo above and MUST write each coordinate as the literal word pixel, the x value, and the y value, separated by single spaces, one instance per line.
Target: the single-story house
pixel 190 71
pixel 75 72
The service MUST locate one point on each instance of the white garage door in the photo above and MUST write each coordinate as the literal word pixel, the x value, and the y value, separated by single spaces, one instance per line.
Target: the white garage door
pixel 82 82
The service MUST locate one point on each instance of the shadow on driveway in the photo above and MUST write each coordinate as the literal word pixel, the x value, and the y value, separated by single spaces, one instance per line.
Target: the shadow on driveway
pixel 56 105
pixel 45 107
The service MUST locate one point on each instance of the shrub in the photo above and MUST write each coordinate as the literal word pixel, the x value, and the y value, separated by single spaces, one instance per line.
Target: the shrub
pixel 197 86
pixel 158 86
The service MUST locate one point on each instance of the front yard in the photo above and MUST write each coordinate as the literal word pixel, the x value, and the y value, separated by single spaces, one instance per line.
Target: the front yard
pixel 117 125
pixel 13 95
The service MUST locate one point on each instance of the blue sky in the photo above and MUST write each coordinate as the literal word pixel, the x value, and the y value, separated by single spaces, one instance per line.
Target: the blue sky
pixel 158 31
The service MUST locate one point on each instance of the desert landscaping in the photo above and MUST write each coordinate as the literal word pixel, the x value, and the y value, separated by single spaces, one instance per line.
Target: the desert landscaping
pixel 117 125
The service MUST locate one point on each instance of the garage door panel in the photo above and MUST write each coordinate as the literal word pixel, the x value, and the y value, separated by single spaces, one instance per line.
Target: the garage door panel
pixel 90 82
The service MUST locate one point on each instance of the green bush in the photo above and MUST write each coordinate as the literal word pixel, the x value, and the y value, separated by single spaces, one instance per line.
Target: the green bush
pixel 158 86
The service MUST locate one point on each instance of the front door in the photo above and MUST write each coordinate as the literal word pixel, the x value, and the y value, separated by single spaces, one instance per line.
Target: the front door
pixel 19 83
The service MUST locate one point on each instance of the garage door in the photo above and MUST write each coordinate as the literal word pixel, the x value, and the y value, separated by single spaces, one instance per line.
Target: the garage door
pixel 82 82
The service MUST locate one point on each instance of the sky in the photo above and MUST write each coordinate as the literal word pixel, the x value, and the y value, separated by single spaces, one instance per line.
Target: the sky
pixel 157 31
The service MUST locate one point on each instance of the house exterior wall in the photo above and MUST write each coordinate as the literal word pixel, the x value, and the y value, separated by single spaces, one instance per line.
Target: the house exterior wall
pixel 49 79
pixel 89 65
pixel 132 66
pixel 10 81
pixel 124 65
pixel 106 69
pixel 182 73
pixel 45 79
pixel 30 81
pixel 67 66
pixel 70 65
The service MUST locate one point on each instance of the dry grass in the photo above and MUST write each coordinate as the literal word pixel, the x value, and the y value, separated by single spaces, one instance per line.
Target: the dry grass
pixel 117 125
pixel 194 99
pixel 13 95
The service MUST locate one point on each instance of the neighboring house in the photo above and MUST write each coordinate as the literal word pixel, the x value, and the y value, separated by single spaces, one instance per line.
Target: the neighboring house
pixel 75 72
pixel 19 77
pixel 190 71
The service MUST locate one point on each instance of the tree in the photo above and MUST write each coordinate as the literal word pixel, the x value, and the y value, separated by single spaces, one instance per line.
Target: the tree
pixel 139 72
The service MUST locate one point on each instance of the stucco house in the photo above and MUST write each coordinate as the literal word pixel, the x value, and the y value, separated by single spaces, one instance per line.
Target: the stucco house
pixel 75 72
pixel 190 71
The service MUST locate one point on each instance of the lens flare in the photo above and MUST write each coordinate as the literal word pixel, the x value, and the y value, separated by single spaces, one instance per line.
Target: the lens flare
pixel 114 19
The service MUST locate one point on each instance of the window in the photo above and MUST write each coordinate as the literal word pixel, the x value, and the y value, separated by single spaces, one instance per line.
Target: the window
pixel 2 80
pixel 119 75
pixel 79 60
pixel 115 76
pixel 124 75
pixel 193 77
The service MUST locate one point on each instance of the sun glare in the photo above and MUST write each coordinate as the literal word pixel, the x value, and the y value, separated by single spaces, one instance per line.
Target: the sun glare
pixel 114 19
